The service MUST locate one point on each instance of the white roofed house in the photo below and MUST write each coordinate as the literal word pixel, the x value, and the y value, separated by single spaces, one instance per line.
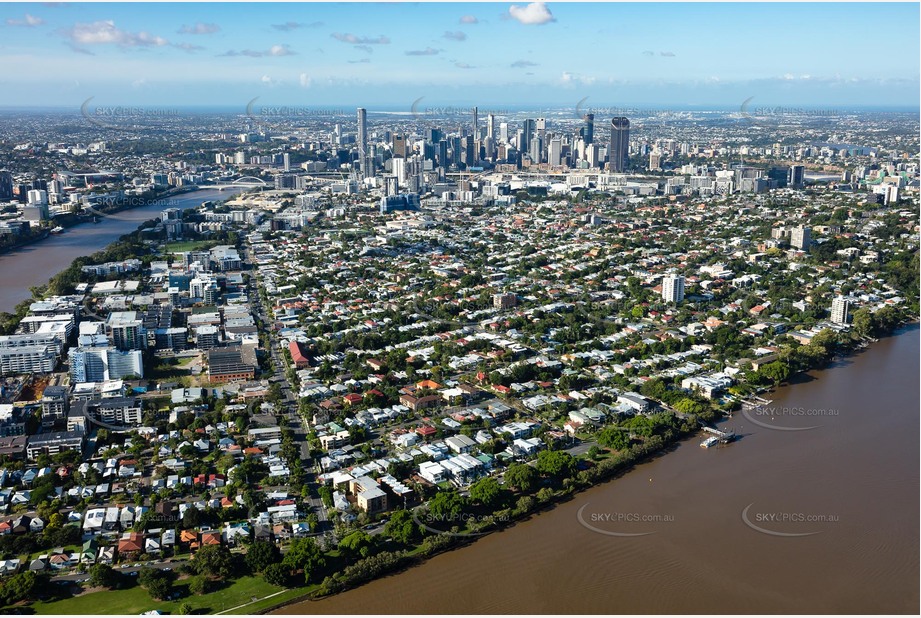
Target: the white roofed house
pixel 637 402
pixel 460 444
pixel 112 518
pixel 126 517
pixel 432 471
pixel 94 520
pixel 283 513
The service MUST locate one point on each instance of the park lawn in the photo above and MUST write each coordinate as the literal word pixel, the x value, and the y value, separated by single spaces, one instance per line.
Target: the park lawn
pixel 137 600
pixel 189 245
pixel 283 597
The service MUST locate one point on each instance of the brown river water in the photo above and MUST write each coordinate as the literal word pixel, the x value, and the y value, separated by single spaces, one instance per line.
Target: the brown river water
pixel 848 488
pixel 36 263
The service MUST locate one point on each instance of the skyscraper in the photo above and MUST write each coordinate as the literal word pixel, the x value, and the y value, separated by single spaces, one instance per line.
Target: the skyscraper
pixel 469 154
pixel 6 185
pixel 620 143
pixel 588 129
pixel 363 158
pixel 399 146
pixel 528 130
pixel 797 177
pixel 554 155
pixel 443 153
pixel 491 126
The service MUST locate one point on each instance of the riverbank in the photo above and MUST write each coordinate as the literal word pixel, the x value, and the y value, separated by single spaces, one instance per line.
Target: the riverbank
pixel 68 221
pixel 618 468
pixel 858 465
pixel 35 263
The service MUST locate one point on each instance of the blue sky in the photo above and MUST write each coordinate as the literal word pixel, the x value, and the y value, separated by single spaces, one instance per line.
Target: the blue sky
pixel 389 55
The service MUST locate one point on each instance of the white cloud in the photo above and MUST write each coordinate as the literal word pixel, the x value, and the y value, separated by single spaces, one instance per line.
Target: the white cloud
pixel 455 36
pixel 469 19
pixel 199 28
pixel 28 21
pixel 572 79
pixel 106 33
pixel 533 14
pixel 305 80
pixel 280 50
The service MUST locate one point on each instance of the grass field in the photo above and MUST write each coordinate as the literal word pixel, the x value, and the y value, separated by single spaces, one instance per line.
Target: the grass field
pixel 189 245
pixel 137 600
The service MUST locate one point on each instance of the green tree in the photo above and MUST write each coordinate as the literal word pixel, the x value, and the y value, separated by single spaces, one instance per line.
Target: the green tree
pixel 200 585
pixel 486 491
pixel 555 463
pixel 522 477
pixel 776 371
pixel 357 544
pixel 261 554
pixel 863 322
pixel 689 406
pixel 277 574
pixel 304 554
pixel 20 587
pixel 524 504
pixel 614 437
pixel 105 576
pixel 213 561
pixel 446 506
pixel 402 528
pixel 157 582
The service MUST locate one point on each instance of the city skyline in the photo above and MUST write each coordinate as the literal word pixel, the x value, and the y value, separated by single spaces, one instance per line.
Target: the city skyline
pixel 390 55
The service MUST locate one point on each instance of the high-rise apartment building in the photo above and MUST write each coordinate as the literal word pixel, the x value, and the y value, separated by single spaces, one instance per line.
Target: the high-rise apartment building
pixel 620 144
pixel 673 288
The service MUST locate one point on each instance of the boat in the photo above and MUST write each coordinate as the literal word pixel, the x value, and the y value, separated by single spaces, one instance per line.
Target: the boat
pixel 57 230
pixel 711 441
